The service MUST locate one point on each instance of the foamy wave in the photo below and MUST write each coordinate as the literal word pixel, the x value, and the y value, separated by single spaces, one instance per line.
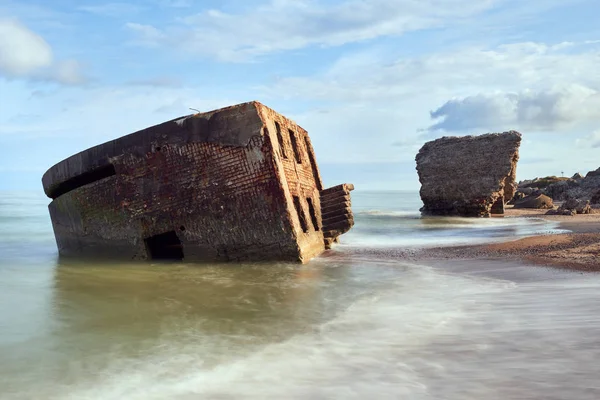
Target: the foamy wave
pixel 404 232
pixel 382 213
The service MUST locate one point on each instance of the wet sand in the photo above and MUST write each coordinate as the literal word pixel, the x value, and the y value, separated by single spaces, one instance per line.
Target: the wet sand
pixel 578 251
pixel 581 223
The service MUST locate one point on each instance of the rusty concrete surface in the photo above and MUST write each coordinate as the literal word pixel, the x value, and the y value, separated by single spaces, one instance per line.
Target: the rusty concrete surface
pixel 238 183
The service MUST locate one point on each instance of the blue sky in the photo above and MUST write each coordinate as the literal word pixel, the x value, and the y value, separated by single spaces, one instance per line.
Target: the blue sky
pixel 371 80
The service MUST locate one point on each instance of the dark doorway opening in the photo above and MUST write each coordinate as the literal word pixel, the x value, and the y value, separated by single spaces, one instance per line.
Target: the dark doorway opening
pixel 165 246
pixel 498 207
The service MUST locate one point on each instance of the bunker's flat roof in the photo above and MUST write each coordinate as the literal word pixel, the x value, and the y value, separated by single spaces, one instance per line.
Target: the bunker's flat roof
pixel 231 126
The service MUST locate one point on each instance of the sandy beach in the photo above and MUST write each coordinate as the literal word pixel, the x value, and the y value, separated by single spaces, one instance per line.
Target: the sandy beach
pixel 579 250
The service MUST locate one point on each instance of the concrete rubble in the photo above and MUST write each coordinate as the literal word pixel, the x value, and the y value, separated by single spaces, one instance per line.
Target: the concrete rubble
pixel 537 201
pixel 468 176
pixel 576 195
pixel 561 189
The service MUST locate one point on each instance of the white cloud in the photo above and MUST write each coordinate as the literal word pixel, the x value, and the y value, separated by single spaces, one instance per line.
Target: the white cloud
pixel 25 54
pixel 22 51
pixel 376 76
pixel 175 3
pixel 146 35
pixel 280 25
pixel 112 9
pixel 68 72
pixel 354 133
pixel 42 15
pixel 373 105
pixel 531 86
pixel 158 81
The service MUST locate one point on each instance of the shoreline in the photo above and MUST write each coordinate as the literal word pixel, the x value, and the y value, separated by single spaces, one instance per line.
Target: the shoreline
pixel 578 250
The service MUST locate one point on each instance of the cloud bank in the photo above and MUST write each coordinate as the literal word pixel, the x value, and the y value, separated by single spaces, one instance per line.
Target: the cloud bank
pixel 283 25
pixel 543 110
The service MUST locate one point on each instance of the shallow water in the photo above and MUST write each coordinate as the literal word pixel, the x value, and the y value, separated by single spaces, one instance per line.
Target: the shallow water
pixel 392 219
pixel 339 327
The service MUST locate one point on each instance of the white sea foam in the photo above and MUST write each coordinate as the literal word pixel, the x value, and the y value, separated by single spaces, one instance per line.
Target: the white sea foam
pixel 387 213
pixel 397 229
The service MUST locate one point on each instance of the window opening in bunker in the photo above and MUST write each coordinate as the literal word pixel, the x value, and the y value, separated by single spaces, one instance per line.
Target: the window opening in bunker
pixel 313 214
pixel 295 146
pixel 280 140
pixel 83 179
pixel 313 164
pixel 165 246
pixel 300 212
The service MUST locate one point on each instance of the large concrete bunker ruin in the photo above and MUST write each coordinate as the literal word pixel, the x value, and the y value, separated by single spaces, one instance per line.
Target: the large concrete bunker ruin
pixel 238 183
pixel 469 175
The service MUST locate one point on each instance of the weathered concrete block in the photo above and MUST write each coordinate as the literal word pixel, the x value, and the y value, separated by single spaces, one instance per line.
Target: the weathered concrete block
pixel 538 201
pixel 238 183
pixel 579 206
pixel 469 175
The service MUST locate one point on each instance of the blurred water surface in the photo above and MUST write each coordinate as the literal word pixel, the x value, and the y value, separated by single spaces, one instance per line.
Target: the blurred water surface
pixel 339 327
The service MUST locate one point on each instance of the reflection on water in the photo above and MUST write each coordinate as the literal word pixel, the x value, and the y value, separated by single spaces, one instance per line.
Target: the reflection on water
pixel 330 329
pixel 240 302
pixel 105 317
pixel 340 327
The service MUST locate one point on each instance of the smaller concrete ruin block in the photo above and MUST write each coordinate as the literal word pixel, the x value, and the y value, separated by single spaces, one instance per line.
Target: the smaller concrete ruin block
pixel 237 183
pixel 538 201
pixel 336 212
pixel 468 176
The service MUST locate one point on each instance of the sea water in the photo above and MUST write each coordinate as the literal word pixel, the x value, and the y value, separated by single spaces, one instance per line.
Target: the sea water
pixel 340 327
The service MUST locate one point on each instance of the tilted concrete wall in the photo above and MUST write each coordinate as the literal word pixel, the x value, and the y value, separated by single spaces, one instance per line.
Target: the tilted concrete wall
pixel 299 174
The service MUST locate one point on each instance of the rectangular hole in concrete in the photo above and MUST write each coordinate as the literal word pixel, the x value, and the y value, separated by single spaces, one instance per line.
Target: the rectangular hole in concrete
pixel 164 246
pixel 83 179
pixel 313 163
pixel 280 140
pixel 300 213
pixel 297 153
pixel 313 214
